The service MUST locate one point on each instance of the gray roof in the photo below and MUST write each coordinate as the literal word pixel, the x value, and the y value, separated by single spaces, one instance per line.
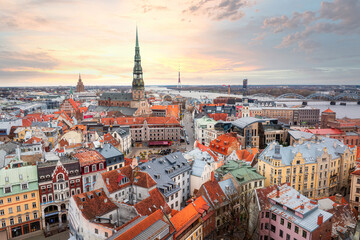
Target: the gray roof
pixel 127 227
pixel 122 131
pixel 124 110
pixel 245 121
pixel 109 151
pixel 117 96
pixel 153 230
pixel 163 169
pixel 310 150
pixel 8 147
pixel 300 134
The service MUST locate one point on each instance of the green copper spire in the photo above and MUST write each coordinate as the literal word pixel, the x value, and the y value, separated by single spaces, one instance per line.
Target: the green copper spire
pixel 71 92
pixel 138 82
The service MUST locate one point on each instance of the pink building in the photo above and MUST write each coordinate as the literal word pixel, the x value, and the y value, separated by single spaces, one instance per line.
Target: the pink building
pixel 286 214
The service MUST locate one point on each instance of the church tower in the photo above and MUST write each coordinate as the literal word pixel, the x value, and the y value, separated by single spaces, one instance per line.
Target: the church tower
pixel 138 89
pixel 80 86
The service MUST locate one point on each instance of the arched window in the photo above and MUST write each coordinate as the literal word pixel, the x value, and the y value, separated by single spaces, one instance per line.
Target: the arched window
pixel 60 176
pixel 94 167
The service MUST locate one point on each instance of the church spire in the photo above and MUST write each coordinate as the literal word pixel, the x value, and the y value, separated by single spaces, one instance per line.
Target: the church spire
pixel 79 77
pixel 138 88
pixel 137 38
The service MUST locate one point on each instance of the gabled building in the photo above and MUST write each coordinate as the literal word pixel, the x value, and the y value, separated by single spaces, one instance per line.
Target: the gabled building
pixel 92 215
pixel 91 163
pixel 126 185
pixel 20 211
pixel 286 214
pixel 317 168
pixel 114 158
pixel 189 223
pixel 172 176
pixel 122 135
pixel 155 226
pixel 248 155
pixel 58 181
pixel 225 144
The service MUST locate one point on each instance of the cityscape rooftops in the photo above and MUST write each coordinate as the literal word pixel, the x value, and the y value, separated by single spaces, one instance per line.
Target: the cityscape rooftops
pixel 88 157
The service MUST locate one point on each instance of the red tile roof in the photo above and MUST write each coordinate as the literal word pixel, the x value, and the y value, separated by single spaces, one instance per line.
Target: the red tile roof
pixel 212 191
pixel 152 203
pixel 328 110
pixel 143 225
pixel 87 157
pixel 140 121
pixel 247 156
pixel 94 204
pixel 34 140
pixel 203 148
pixel 218 116
pixel 158 107
pixel 224 143
pixel 108 138
pixel 262 196
pixel 185 217
pixel 357 172
pixel 143 179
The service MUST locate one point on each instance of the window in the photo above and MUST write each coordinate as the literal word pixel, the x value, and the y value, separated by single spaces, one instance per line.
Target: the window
pixel 94 167
pixel 19 219
pixel 11 221
pixel 2 212
pixel 287 237
pixel 18 208
pixel 96 231
pixel 86 169
pixel 3 223
pixel 282 221
pixel 304 234
pixel 26 206
pixel 34 204
pixel 25 196
pixel 35 215
pixel 267 214
pixel 296 229
pixel 1 201
pixel 273 217
pixel 289 225
pixel 7 190
pixel 281 233
pixel 33 195
pixel 27 217
pixel 10 210
pixel 273 228
pixel 106 234
pixel 24 186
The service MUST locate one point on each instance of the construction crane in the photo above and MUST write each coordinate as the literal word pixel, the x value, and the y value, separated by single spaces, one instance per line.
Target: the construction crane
pixel 228 87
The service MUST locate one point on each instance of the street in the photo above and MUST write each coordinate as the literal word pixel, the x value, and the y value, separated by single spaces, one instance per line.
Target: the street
pixel 188 123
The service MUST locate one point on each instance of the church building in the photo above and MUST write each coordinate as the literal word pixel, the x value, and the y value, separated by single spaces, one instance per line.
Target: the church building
pixel 129 104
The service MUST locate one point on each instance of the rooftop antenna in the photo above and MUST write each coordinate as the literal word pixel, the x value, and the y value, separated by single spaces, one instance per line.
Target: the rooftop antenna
pixel 179 81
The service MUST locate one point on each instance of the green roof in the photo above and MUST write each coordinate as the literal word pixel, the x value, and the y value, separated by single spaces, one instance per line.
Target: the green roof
pixel 242 172
pixel 205 120
pixel 14 175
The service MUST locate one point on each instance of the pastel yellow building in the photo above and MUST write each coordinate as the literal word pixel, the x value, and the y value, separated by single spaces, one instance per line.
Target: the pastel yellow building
pixel 317 168
pixel 19 201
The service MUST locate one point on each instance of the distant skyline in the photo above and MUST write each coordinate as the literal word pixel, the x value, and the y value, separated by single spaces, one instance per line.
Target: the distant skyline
pixel 270 42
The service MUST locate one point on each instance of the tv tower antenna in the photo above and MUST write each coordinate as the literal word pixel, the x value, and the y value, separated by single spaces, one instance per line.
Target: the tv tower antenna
pixel 179 81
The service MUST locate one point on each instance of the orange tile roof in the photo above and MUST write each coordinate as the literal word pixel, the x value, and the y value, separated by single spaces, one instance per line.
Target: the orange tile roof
pixel 203 148
pixel 142 226
pixel 94 204
pixel 152 204
pixel 185 217
pixel 212 191
pixel 108 138
pixel 173 111
pixel 87 157
pixel 158 107
pixel 74 104
pixel 34 140
pixel 224 142
pixel 357 172
pixel 140 121
pixel 245 155
pixel 328 110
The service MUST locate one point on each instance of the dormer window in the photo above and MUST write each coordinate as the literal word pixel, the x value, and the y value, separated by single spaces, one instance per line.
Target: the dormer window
pixel 60 177
pixel 86 169
pixel 7 190
pixel 94 167
pixel 24 186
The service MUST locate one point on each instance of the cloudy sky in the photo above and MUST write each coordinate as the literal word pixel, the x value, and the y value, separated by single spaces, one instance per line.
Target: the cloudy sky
pixel 48 42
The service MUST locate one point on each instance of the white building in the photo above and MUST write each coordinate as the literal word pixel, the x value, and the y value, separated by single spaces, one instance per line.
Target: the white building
pixel 201 125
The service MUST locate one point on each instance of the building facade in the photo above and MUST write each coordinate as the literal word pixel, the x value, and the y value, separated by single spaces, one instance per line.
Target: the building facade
pixel 294 116
pixel 317 168
pixel 91 163
pixel 355 190
pixel 58 181
pixel 20 211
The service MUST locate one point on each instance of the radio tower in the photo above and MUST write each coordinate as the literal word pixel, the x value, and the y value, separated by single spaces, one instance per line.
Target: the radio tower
pixel 179 81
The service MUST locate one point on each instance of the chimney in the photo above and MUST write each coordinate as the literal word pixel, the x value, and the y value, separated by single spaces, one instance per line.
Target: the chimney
pixel 212 176
pixel 277 192
pixel 107 181
pixel 312 201
pixel 338 198
pixel 288 183
pixel 302 206
pixel 298 196
pixel 320 219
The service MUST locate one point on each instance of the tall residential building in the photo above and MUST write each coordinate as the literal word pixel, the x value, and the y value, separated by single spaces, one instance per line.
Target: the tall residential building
pixel 58 181
pixel 355 190
pixel 317 168
pixel 20 211
pixel 286 214
pixel 80 86
pixel 294 116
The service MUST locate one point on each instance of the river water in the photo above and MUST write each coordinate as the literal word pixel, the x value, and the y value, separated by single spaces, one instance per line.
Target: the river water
pixel 351 110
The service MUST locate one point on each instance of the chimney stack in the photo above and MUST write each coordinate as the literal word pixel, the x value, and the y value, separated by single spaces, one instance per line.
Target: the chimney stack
pixel 107 181
pixel 320 219
pixel 298 196
pixel 338 198
pixel 302 206
pixel 212 176
pixel 288 183
pixel 278 192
